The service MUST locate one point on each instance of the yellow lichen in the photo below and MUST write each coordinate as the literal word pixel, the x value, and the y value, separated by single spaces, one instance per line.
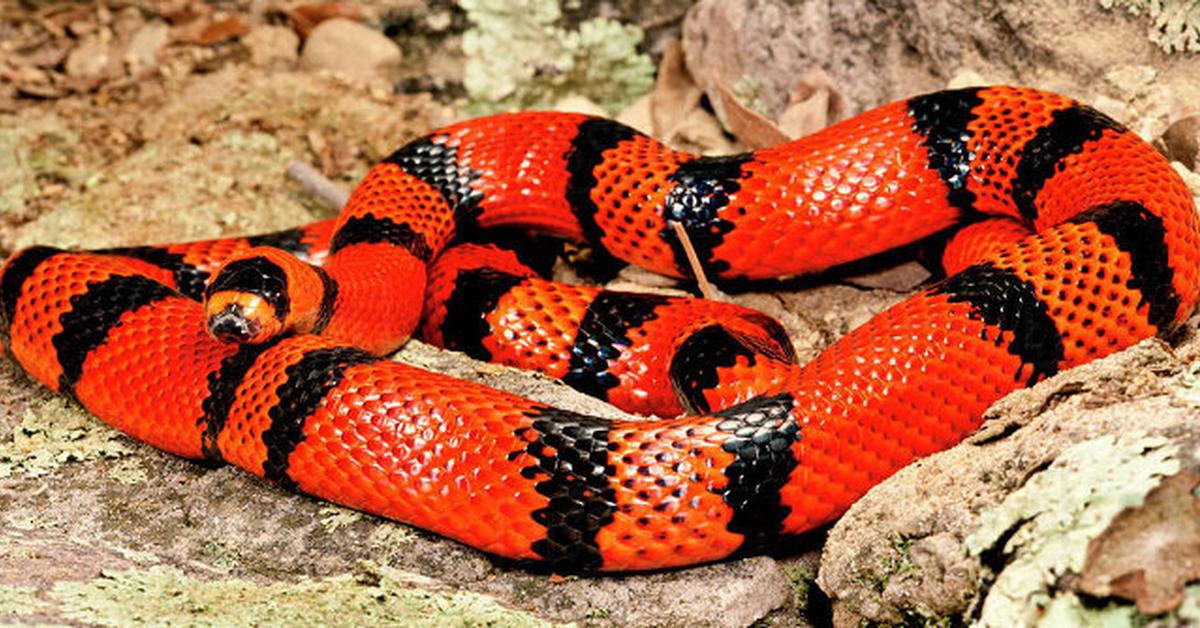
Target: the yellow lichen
pixel 375 595
pixel 518 57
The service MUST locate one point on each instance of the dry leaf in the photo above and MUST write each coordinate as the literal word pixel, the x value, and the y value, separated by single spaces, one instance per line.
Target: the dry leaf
pixel 222 30
pixel 305 17
pixel 675 93
pixel 813 104
pixel 179 12
pixel 638 115
pixel 46 56
pixel 749 126
pixel 701 133
pixel 1150 552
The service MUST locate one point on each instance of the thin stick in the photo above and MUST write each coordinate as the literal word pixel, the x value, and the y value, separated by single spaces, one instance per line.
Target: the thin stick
pixel 317 184
pixel 706 288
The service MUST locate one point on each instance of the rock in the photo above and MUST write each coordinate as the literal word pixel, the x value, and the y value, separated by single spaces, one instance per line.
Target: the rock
pixel 1182 140
pixel 273 46
pixel 91 59
pixel 876 52
pixel 145 44
pixel 901 278
pixel 353 49
pixel 996 529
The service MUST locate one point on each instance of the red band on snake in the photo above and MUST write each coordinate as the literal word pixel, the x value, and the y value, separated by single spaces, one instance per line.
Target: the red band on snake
pixel 1068 239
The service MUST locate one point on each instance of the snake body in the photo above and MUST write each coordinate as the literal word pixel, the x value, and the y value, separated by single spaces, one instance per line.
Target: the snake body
pixel 1067 238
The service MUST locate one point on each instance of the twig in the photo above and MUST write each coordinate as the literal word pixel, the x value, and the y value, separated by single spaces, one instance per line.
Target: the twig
pixel 706 288
pixel 317 184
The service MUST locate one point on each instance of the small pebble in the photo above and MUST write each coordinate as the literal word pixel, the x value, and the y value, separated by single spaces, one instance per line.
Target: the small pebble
pixel 1183 141
pixel 144 46
pixel 273 46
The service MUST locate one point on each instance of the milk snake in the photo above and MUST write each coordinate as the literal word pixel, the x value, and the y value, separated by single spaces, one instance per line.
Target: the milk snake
pixel 1066 238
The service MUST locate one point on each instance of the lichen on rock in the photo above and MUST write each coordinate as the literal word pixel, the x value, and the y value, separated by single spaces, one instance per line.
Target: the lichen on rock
pixel 56 432
pixel 1174 24
pixel 378 594
pixel 1040 532
pixel 518 57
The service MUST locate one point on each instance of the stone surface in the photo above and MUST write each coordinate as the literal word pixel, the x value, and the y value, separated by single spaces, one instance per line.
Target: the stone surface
pixel 144 46
pixel 93 58
pixel 273 46
pixel 910 550
pixel 878 52
pixel 351 48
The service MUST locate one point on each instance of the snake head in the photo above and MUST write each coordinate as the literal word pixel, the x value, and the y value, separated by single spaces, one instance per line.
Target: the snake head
pixel 247 301
pixel 241 317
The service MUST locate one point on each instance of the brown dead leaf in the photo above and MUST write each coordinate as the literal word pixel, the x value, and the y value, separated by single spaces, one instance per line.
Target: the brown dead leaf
pixel 752 128
pixel 638 115
pixel 305 17
pixel 675 93
pixel 46 56
pixel 56 18
pixel 701 132
pixel 179 12
pixel 813 104
pixel 221 30
pixel 1149 553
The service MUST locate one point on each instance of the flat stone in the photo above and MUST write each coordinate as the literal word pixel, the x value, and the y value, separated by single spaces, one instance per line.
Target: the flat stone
pixel 353 49
pixel 145 44
pixel 89 60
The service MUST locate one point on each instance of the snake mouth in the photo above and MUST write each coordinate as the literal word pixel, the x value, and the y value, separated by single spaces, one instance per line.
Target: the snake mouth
pixel 231 325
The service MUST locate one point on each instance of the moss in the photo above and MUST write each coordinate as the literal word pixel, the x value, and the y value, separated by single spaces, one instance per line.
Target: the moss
pixel 802 580
pixel 221 557
pixel 55 432
pixel 374 595
pixel 1041 531
pixel 897 563
pixel 1174 24
pixel 518 57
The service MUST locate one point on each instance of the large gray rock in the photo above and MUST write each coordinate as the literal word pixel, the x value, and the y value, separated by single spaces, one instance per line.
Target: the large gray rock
pixel 882 51
pixel 1001 529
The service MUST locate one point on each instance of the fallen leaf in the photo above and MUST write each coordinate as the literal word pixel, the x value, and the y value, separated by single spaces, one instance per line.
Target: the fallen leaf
pixel 675 94
pixel 305 17
pixel 222 30
pixel 179 12
pixel 638 115
pixel 46 56
pixel 813 104
pixel 701 133
pixel 1149 552
pixel 749 126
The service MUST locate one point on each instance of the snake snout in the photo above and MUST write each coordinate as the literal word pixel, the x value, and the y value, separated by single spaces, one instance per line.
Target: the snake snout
pixel 231 325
